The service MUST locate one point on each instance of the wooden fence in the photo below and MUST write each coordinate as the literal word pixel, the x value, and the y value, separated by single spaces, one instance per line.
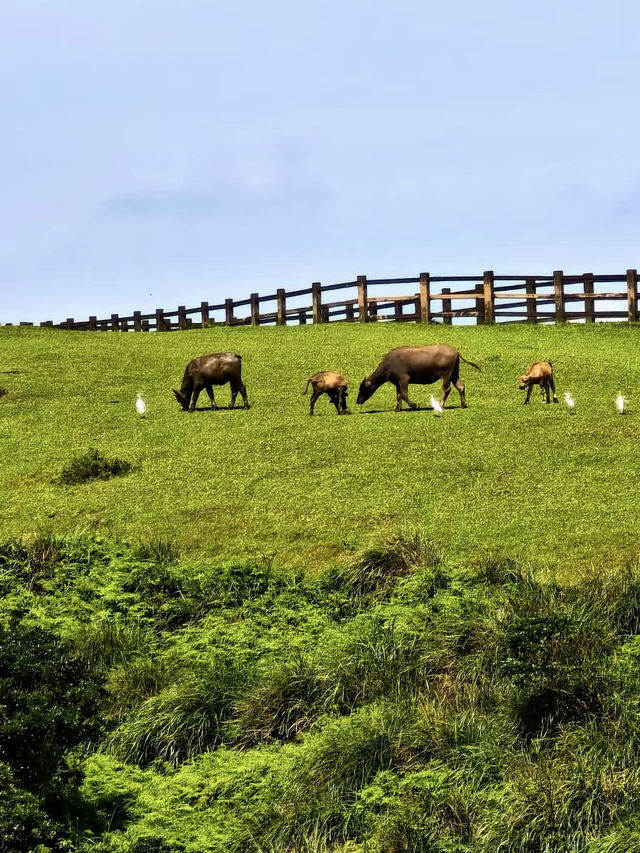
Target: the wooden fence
pixel 482 299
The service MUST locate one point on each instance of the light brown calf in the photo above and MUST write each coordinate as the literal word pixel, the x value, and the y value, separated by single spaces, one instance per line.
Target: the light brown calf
pixel 539 373
pixel 331 383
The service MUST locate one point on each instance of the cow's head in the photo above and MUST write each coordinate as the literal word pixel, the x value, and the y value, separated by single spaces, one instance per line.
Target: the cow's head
pixel 365 391
pixel 523 381
pixel 182 399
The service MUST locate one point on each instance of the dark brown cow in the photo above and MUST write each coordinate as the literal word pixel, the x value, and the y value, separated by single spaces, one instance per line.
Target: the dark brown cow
pixel 418 365
pixel 331 383
pixel 207 371
pixel 539 373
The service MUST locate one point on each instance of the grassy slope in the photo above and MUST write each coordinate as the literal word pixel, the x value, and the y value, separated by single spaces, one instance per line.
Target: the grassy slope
pixel 531 482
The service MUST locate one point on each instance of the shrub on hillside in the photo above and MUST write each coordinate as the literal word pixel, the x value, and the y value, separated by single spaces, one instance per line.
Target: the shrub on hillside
pixel 158 550
pixel 377 568
pixel 49 702
pixel 184 719
pixel 93 465
pixel 283 702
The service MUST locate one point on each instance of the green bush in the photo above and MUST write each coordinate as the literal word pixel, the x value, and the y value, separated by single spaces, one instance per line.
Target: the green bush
pixel 376 569
pixel 93 465
pixel 284 701
pixel 184 719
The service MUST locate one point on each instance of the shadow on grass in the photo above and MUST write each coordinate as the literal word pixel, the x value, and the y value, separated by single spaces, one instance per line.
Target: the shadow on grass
pixel 422 409
pixel 218 409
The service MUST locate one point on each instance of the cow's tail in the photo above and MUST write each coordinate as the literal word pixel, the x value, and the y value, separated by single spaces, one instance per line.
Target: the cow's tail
pixel 462 358
pixel 307 388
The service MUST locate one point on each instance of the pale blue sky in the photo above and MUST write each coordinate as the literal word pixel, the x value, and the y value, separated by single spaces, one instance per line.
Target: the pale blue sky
pixel 157 153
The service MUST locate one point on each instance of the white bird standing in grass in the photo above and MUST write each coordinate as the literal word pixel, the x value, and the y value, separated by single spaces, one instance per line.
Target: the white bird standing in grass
pixel 571 403
pixel 435 405
pixel 620 404
pixel 141 406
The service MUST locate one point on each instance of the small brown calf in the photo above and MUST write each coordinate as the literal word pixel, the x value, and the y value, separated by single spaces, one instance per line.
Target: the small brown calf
pixel 331 383
pixel 539 373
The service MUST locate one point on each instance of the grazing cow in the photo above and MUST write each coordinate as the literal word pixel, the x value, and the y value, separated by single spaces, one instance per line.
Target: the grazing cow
pixel 418 365
pixel 539 373
pixel 207 371
pixel 331 383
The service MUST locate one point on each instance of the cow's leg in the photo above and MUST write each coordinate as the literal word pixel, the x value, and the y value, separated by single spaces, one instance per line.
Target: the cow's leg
pixel 545 391
pixel 402 389
pixel 529 386
pixel 446 390
pixel 553 388
pixel 209 390
pixel 460 388
pixel 343 401
pixel 243 393
pixel 334 396
pixel 197 388
pixel 312 402
pixel 234 394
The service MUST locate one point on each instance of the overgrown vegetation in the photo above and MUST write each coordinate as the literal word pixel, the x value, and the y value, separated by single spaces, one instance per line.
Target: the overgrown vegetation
pixel 93 465
pixel 280 633
pixel 407 702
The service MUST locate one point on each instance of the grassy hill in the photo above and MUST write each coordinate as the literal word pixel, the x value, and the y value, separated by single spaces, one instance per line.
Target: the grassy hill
pixel 367 634
pixel 534 483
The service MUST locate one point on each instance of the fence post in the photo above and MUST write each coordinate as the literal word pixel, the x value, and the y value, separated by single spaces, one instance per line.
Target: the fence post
pixel 302 316
pixel 397 310
pixel 93 323
pixel 489 297
pixel 204 314
pixel 532 308
pixel 362 299
pixel 124 326
pixel 446 307
pixel 255 309
pixel 281 307
pixel 425 297
pixel 115 323
pixel 479 289
pixel 182 317
pixel 316 302
pixel 161 325
pixel 228 312
pixel 632 278
pixel 137 322
pixel 324 313
pixel 348 312
pixel 589 304
pixel 47 323
pixel 558 294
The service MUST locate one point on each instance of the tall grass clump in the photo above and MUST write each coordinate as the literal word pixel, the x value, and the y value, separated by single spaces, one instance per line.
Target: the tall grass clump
pixel 184 719
pixel 157 550
pixel 376 569
pixel 284 701
pixel 93 465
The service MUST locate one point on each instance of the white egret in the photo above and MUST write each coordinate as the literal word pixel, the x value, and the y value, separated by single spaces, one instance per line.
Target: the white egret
pixel 620 403
pixel 571 403
pixel 141 406
pixel 436 406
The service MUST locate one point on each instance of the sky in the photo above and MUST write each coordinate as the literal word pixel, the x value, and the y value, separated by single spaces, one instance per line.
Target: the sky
pixel 164 152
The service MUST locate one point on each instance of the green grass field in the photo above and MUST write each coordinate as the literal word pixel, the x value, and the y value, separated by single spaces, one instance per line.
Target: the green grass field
pixel 532 482
pixel 467 635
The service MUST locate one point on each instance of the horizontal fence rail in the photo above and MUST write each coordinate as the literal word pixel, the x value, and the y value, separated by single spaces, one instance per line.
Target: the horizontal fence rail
pixel 482 299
